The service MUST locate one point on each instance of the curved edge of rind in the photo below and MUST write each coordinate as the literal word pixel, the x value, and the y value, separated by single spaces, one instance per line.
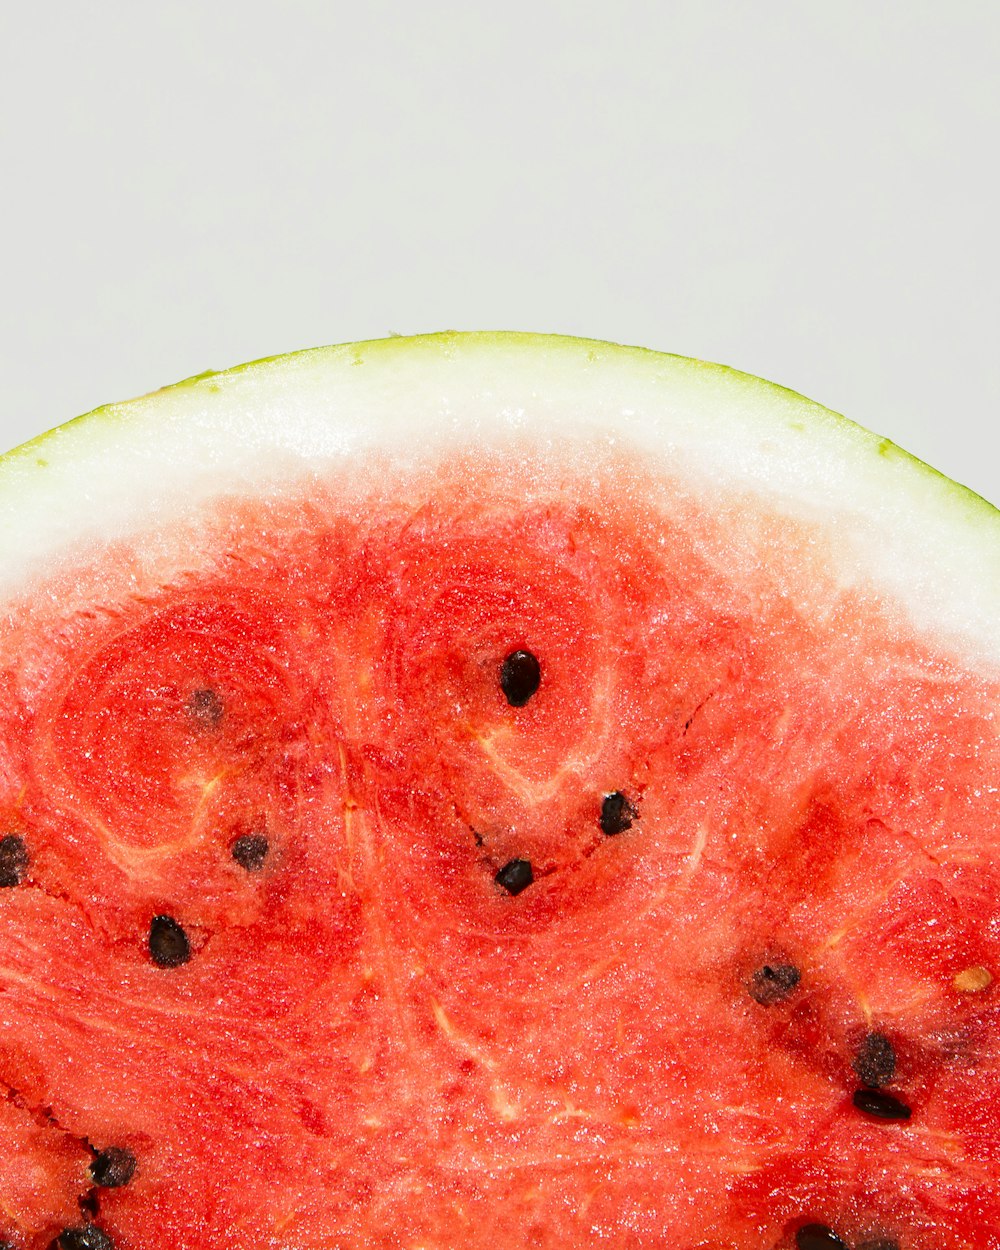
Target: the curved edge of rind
pixel 367 350
pixel 838 464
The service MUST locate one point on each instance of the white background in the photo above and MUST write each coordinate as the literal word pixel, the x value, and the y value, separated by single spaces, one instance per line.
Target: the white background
pixel 806 190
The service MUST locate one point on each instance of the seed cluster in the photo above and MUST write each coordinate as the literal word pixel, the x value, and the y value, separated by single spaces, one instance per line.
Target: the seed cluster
pixel 874 1062
pixel 771 984
pixel 520 676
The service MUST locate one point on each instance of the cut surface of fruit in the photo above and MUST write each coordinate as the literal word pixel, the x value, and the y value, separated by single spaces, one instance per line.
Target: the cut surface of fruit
pixel 496 791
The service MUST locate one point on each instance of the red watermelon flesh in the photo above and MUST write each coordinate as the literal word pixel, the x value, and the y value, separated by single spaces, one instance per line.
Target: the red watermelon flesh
pixel 276 971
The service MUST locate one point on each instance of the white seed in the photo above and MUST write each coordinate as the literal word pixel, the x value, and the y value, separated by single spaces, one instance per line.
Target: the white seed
pixel 972 980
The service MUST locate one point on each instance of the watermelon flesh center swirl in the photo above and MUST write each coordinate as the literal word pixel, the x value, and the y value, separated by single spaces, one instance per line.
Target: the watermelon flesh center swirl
pixel 270 947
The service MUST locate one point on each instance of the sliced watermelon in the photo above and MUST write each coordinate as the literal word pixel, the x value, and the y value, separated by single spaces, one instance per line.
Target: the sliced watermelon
pixel 496 791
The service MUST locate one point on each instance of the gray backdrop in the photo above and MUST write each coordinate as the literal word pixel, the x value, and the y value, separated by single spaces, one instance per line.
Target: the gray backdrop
pixel 805 190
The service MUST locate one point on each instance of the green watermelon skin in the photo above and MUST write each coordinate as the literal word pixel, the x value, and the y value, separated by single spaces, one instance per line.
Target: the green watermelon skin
pixel 273 715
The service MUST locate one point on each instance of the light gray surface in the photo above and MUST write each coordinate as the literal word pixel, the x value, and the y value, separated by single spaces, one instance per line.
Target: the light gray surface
pixel 804 190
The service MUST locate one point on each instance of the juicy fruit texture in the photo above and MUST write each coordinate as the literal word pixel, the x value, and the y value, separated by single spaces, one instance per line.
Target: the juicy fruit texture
pixel 330 919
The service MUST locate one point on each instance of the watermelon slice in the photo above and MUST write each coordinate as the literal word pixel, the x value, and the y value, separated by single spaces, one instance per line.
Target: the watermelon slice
pixel 496 791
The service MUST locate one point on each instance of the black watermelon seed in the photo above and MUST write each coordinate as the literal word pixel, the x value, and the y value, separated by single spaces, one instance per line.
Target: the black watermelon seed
pixel 113 1167
pixel 84 1237
pixel 515 876
pixel 875 1062
pixel 881 1106
pixel 520 675
pixel 13 860
pixel 617 814
pixel 168 943
pixel 818 1237
pixel 250 851
pixel 206 709
pixel 774 983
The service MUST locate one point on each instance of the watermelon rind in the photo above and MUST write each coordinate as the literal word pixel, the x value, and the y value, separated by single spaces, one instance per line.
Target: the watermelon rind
pixel 452 996
pixel 930 545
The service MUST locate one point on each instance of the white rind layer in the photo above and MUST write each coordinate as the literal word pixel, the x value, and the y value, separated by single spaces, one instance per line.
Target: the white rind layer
pixel 930 545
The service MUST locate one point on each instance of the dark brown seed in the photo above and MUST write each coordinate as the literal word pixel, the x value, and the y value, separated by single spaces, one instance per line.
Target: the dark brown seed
pixel 168 943
pixel 881 1106
pixel 13 860
pixel 520 675
pixel 84 1237
pixel 89 1204
pixel 515 876
pixel 818 1237
pixel 875 1062
pixel 774 983
pixel 617 814
pixel 113 1167
pixel 250 851
pixel 206 709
